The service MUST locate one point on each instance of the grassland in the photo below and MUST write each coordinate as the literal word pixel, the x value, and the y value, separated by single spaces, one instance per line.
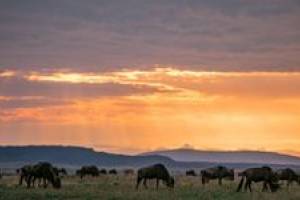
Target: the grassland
pixel 122 187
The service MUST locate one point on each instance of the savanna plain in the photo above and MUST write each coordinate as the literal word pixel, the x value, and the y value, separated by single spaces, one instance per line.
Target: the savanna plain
pixel 123 187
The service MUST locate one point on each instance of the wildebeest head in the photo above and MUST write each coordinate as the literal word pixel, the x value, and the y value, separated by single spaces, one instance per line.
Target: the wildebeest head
pixel 274 184
pixel 274 187
pixel 170 182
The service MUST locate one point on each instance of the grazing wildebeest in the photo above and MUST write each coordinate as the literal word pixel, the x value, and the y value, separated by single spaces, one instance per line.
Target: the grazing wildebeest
pixel 43 171
pixel 190 173
pixel 113 172
pixel 128 172
pixel 158 172
pixel 218 172
pixel 263 174
pixel 288 175
pixel 103 171
pixel 88 170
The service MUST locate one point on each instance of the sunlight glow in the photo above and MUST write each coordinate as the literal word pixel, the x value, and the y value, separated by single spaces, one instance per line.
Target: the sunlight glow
pixel 212 110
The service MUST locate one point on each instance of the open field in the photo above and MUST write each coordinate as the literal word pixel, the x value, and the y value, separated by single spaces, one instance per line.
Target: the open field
pixel 122 187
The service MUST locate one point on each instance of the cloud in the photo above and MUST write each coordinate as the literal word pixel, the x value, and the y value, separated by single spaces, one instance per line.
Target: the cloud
pixel 164 82
pixel 21 87
pixel 31 102
pixel 234 35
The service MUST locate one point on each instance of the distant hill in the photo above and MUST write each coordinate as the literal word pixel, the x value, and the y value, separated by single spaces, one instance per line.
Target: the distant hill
pixel 74 156
pixel 191 155
pixel 179 159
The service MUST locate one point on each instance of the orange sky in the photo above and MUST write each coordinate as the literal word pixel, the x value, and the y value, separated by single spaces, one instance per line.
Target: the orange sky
pixel 165 108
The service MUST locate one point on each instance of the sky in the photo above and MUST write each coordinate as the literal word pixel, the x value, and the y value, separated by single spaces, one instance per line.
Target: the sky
pixel 134 76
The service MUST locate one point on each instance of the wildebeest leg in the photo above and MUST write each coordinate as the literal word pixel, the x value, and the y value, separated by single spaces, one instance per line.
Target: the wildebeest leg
pixel 145 183
pixel 240 184
pixel 28 181
pixel 21 180
pixel 265 187
pixel 288 183
pixel 220 181
pixel 33 181
pixel 157 183
pixel 40 182
pixel 138 182
pixel 249 186
pixel 44 182
pixel 203 180
pixel 246 185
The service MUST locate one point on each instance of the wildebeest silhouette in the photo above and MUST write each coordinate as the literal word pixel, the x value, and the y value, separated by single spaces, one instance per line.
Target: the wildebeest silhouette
pixel 158 172
pixel 88 170
pixel 190 173
pixel 103 171
pixel 43 171
pixel 129 172
pixel 218 172
pixel 264 174
pixel 113 172
pixel 288 175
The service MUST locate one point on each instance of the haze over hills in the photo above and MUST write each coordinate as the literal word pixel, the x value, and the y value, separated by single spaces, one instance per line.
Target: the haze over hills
pixel 192 155
pixel 73 156
pixel 179 159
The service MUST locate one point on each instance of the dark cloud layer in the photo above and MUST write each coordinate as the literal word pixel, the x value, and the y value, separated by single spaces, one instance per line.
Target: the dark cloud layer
pixel 31 103
pixel 232 35
pixel 19 87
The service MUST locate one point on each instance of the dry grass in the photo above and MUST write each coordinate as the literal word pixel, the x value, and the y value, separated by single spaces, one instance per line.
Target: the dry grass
pixel 121 187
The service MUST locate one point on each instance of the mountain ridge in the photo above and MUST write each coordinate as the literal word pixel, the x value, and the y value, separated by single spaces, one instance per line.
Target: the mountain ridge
pixel 240 156
pixel 74 157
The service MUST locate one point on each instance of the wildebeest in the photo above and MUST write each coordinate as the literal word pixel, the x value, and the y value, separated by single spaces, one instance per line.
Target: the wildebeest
pixel 158 172
pixel 218 172
pixel 263 174
pixel 88 170
pixel 129 172
pixel 288 175
pixel 103 171
pixel 43 171
pixel 113 172
pixel 190 173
